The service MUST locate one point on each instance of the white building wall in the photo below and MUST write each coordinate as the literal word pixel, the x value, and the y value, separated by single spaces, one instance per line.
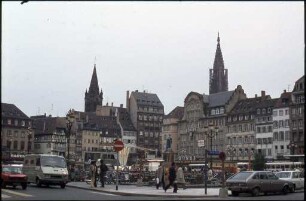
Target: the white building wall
pixel 281 114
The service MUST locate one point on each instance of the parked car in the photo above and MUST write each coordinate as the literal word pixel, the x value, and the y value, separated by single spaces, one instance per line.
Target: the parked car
pixel 255 182
pixel 11 175
pixel 295 177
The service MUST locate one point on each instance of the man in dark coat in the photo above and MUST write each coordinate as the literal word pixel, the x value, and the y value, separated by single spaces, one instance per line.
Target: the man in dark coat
pixel 103 170
pixel 172 178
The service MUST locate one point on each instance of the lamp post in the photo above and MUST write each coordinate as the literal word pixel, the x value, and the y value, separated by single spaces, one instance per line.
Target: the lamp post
pixel 211 132
pixel 9 146
pixel 29 134
pixel 69 123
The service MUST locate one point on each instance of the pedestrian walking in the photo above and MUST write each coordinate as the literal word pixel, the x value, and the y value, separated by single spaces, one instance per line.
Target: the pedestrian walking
pixel 180 178
pixel 103 170
pixel 93 171
pixel 165 177
pixel 159 177
pixel 172 178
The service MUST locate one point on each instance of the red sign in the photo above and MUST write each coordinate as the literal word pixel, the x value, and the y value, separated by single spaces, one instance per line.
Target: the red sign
pixel 118 145
pixel 222 156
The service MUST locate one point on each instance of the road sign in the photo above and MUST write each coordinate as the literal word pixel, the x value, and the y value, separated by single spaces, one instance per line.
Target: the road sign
pixel 201 143
pixel 213 152
pixel 118 145
pixel 222 156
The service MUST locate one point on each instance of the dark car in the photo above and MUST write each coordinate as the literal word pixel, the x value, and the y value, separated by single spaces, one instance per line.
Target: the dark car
pixel 255 182
pixel 11 175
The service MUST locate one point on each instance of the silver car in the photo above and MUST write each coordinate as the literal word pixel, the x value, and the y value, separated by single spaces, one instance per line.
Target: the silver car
pixel 255 182
pixel 296 177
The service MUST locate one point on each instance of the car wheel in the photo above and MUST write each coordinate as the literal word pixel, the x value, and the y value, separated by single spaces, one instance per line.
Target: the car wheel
pixel 235 193
pixel 292 190
pixel 38 182
pixel 3 184
pixel 255 192
pixel 285 190
pixel 24 186
pixel 14 186
pixel 63 185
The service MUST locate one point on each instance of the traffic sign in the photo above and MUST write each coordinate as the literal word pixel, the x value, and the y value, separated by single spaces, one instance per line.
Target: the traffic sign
pixel 118 145
pixel 213 152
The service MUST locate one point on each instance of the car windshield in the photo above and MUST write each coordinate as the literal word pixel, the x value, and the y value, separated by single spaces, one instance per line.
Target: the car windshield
pixel 241 176
pixel 53 161
pixel 11 169
pixel 283 174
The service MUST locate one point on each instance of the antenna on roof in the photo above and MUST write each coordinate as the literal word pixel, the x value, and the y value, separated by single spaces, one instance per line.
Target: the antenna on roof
pixel 288 87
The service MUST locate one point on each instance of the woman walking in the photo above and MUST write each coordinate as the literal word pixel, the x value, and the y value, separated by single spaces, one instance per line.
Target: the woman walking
pixel 180 177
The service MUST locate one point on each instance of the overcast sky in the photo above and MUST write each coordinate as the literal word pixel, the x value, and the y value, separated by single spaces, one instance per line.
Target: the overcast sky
pixel 167 48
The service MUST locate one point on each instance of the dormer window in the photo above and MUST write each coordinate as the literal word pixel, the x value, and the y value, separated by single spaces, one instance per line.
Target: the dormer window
pixel 221 110
pixel 264 111
pixel 213 112
pixel 258 111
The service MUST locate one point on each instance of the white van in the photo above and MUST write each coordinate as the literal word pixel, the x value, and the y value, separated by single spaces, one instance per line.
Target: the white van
pixel 45 169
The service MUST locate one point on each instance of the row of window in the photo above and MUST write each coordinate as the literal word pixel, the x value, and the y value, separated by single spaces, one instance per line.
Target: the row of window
pixel 148 134
pixel 217 111
pixel 241 128
pixel 15 145
pixel 281 136
pixel 150 117
pixel 281 123
pixel 263 129
pixel 18 122
pixel 149 109
pixel 241 140
pixel 264 111
pixel 280 112
pixel 240 118
pixel 16 134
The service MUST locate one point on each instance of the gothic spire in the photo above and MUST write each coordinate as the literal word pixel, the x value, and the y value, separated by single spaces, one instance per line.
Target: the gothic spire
pixel 218 63
pixel 218 78
pixel 94 86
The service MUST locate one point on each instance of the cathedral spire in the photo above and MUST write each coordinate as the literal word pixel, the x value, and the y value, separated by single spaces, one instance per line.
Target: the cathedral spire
pixel 218 81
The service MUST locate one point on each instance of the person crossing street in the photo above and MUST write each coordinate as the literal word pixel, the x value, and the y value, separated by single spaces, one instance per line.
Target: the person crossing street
pixel 103 170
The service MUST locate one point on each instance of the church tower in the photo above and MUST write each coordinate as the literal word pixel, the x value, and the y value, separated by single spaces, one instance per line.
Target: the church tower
pixel 93 98
pixel 218 80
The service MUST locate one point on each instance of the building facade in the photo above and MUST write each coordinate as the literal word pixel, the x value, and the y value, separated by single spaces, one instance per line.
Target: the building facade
pixel 16 133
pixel 201 112
pixel 170 137
pixel 281 127
pixel 297 118
pixel 146 112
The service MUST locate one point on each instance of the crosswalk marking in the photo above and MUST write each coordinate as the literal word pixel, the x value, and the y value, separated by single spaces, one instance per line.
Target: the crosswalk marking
pixel 104 193
pixel 16 193
pixel 4 196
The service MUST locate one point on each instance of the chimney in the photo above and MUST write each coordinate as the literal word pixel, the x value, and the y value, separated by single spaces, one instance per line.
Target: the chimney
pixel 127 101
pixel 255 95
pixel 263 95
pixel 121 105
pixel 285 91
pixel 112 104
pixel 136 90
pixel 107 104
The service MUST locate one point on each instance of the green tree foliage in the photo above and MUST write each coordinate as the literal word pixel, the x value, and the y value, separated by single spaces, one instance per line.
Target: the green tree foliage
pixel 259 162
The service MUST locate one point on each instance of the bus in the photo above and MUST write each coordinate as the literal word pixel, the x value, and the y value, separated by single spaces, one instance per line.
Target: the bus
pixel 283 166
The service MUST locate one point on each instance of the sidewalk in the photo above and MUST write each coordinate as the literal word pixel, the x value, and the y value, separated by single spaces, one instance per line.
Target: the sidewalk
pixel 149 190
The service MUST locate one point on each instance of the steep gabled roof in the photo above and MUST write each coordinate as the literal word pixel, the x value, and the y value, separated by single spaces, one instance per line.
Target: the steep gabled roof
pixel 144 98
pixel 218 99
pixel 177 113
pixel 10 110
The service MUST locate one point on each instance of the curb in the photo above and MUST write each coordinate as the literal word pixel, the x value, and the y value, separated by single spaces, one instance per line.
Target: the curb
pixel 141 194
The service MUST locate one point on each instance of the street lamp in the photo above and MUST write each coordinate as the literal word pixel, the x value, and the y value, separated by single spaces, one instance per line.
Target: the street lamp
pixel 292 147
pixel 211 132
pixel 29 134
pixel 69 123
